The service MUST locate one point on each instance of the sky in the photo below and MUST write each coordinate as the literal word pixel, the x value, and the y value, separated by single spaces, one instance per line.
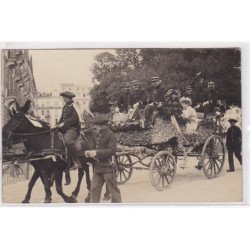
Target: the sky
pixel 53 67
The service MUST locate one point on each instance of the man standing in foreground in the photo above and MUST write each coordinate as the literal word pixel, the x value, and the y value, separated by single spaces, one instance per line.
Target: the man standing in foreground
pixel 233 144
pixel 104 170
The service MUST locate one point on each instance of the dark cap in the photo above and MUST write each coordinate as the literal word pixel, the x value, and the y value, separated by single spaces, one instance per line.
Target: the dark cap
pixel 233 120
pixel 154 79
pixel 99 120
pixel 68 94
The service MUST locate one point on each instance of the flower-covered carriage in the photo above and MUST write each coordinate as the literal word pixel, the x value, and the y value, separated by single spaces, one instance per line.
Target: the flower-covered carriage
pixel 160 148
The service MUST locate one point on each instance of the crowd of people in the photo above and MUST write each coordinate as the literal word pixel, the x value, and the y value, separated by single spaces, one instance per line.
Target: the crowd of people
pixel 142 102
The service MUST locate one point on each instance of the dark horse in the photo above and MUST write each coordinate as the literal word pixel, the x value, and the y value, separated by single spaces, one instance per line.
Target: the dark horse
pixel 44 141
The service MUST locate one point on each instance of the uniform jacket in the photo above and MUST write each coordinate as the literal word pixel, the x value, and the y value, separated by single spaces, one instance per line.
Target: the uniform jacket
pixel 139 96
pixel 70 118
pixel 124 101
pixel 105 146
pixel 156 95
pixel 233 137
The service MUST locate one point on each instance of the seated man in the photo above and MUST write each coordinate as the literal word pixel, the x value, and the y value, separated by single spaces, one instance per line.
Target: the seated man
pixel 124 102
pixel 69 125
pixel 156 96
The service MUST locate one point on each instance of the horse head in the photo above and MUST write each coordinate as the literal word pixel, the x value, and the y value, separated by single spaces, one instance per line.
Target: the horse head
pixel 19 123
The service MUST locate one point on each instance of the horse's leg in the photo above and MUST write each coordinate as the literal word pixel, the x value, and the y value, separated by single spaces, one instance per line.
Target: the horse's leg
pixel 46 182
pixel 80 176
pixel 67 176
pixel 59 189
pixel 31 184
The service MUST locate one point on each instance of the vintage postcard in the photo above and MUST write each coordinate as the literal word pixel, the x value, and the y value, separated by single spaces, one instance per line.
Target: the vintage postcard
pixel 132 125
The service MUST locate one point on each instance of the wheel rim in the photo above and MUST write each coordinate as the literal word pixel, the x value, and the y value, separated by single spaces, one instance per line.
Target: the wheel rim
pixel 213 156
pixel 124 168
pixel 162 170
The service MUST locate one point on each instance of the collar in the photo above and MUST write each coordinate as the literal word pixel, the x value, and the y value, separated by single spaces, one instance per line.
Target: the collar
pixel 69 103
pixel 103 131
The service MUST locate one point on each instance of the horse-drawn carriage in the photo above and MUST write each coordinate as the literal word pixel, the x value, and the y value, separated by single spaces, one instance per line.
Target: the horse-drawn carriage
pixel 160 155
pixel 156 149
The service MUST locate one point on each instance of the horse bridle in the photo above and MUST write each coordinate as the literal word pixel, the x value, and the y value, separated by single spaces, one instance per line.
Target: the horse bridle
pixel 12 134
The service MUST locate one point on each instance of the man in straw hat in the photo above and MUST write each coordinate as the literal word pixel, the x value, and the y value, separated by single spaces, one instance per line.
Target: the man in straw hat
pixel 69 125
pixel 233 143
pixel 104 168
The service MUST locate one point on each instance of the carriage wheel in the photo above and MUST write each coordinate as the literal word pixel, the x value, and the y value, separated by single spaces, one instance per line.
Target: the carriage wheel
pixel 124 166
pixel 213 156
pixel 162 170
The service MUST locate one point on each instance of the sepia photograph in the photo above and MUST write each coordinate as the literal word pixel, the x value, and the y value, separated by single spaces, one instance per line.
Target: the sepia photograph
pixel 131 125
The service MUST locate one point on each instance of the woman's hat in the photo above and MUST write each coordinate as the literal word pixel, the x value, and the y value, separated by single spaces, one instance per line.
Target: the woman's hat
pixel 232 120
pixel 186 100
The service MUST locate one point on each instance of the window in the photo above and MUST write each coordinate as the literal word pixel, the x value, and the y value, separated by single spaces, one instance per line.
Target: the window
pixel 48 112
pixel 42 112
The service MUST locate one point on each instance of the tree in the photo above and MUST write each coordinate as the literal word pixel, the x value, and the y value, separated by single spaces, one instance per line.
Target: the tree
pixel 175 67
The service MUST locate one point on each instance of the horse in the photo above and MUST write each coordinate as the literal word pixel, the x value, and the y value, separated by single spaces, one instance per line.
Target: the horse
pixel 42 139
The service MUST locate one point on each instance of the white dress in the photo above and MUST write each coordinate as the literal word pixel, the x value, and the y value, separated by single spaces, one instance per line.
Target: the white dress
pixel 192 120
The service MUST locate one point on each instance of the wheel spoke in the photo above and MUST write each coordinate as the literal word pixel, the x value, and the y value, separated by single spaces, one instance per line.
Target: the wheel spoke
pixel 159 179
pixel 216 164
pixel 126 170
pixel 167 179
pixel 162 177
pixel 125 161
pixel 221 161
pixel 207 163
pixel 124 175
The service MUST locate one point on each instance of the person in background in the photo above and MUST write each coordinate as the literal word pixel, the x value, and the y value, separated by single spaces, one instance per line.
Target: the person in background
pixel 211 96
pixel 124 103
pixel 233 143
pixel 104 169
pixel 156 97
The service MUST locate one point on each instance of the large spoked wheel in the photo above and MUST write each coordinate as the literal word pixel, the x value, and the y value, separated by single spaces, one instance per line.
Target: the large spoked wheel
pixel 124 166
pixel 213 156
pixel 162 170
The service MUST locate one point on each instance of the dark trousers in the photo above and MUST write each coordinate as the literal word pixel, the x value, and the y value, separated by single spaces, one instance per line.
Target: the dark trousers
pixel 231 152
pixel 70 137
pixel 150 114
pixel 96 187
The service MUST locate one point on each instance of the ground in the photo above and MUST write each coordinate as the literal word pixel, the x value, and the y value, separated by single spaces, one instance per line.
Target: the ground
pixel 189 186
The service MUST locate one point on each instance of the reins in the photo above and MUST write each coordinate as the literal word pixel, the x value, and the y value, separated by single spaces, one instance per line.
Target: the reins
pixel 33 134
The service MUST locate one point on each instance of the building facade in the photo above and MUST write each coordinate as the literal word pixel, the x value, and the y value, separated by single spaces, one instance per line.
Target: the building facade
pixel 49 104
pixel 18 81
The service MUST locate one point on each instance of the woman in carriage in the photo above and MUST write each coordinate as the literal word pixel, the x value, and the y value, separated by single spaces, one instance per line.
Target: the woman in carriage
pixel 190 115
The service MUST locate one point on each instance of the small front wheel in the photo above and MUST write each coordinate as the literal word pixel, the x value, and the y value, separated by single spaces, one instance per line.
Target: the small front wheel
pixel 124 168
pixel 162 170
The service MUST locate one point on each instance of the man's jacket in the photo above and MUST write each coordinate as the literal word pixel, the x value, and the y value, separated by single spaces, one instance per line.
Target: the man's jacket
pixel 70 118
pixel 105 146
pixel 233 137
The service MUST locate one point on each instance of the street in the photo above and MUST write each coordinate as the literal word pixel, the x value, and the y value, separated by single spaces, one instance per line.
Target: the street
pixel 189 186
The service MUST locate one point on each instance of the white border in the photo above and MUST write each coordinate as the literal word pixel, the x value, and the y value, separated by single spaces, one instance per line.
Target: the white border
pixel 245 55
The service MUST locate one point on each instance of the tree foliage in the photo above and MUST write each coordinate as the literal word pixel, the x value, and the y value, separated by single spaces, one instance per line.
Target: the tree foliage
pixel 175 67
